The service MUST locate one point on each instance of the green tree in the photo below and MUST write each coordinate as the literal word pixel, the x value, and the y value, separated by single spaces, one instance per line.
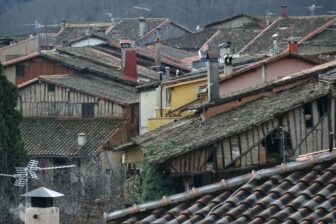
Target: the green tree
pixel 156 181
pixel 12 153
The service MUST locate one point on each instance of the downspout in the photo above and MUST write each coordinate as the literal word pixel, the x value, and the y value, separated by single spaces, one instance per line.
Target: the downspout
pixel 161 112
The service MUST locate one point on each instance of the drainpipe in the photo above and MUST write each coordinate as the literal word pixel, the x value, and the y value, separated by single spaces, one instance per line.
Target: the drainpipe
pixel 331 134
pixel 161 112
pixel 263 73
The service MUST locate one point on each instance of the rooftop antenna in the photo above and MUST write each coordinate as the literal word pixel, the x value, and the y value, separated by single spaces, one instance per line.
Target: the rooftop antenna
pixel 110 16
pixel 24 173
pixel 312 8
pixel 268 17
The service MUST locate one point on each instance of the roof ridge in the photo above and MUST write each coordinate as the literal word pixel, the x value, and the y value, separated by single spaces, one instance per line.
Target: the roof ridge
pixel 260 34
pixel 20 42
pixel 222 185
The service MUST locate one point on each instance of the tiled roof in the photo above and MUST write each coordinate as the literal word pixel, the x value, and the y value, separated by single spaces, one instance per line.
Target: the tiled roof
pixel 52 137
pixel 238 38
pixel 285 28
pixel 100 57
pixel 102 88
pixel 128 28
pixel 298 192
pixel 81 64
pixel 72 31
pixel 258 22
pixel 190 134
pixel 191 42
pixel 172 52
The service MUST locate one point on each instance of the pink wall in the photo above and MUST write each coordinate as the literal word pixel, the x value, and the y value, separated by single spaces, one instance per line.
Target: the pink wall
pixel 274 70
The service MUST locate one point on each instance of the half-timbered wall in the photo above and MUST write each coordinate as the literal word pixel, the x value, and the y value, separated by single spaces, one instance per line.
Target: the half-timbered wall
pixel 247 149
pixel 38 100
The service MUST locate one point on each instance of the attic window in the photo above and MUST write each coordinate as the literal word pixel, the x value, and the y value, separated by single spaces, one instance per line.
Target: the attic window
pixel 308 115
pixel 88 110
pixel 20 70
pixel 51 88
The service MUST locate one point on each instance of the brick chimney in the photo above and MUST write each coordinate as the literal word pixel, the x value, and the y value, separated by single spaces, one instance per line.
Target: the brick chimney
pixel 128 61
pixel 293 47
pixel 213 79
pixel 284 11
pixel 142 26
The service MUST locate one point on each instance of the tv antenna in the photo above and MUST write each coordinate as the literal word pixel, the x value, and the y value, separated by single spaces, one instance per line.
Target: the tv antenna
pixel 110 16
pixel 312 8
pixel 24 173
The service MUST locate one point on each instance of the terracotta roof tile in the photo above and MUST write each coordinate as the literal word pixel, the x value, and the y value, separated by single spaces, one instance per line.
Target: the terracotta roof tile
pixel 247 205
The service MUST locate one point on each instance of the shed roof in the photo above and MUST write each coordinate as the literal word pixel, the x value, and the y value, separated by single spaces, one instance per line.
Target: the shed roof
pixel 187 135
pixel 53 137
pixel 297 192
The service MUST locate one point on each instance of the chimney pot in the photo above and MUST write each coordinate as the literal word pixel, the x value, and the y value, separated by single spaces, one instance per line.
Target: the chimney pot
pixel 284 11
pixel 63 23
pixel 167 72
pixel 81 139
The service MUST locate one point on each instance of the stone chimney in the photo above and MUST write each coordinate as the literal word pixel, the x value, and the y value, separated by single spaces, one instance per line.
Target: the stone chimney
pixel 213 79
pixel 293 47
pixel 142 26
pixel 284 11
pixel 158 53
pixel 42 208
pixel 227 64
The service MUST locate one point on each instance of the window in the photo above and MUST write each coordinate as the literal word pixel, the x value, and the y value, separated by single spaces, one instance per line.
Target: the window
pixel 322 106
pixel 277 143
pixel 308 115
pixel 61 176
pixel 88 110
pixel 20 70
pixel 51 88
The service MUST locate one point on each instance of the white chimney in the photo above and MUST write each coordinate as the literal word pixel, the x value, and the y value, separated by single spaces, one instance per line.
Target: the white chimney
pixel 81 139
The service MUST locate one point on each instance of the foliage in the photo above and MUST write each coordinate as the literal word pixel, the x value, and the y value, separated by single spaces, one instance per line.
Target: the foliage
pixel 12 153
pixel 156 182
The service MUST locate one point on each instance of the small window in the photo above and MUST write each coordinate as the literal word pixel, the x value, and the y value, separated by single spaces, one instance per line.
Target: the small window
pixel 308 115
pixel 88 110
pixel 51 88
pixel 20 70
pixel 322 106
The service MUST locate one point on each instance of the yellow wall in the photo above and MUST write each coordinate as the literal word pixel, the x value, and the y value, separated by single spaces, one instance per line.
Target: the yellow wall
pixel 133 156
pixel 154 123
pixel 184 93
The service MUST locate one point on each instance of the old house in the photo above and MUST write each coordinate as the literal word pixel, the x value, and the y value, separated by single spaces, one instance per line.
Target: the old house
pixel 259 126
pixel 179 93
pixel 78 119
pixel 297 192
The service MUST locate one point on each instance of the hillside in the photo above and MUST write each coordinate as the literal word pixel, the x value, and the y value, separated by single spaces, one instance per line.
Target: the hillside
pixel 14 14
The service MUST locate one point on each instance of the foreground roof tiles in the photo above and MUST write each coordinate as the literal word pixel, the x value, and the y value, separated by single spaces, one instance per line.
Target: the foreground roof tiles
pixel 52 137
pixel 297 192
